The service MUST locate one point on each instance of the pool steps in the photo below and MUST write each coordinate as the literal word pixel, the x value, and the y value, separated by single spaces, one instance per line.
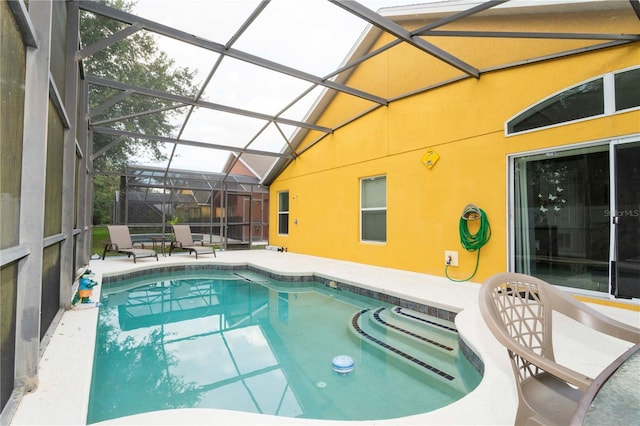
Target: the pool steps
pixel 404 334
pixel 415 332
pixel 420 318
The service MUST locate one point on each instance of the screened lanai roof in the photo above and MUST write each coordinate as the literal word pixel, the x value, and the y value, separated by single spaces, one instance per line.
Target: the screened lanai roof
pixel 266 69
pixel 188 179
pixel 157 186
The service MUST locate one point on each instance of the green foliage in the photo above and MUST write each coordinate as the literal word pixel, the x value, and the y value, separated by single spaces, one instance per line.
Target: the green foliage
pixel 104 187
pixel 135 60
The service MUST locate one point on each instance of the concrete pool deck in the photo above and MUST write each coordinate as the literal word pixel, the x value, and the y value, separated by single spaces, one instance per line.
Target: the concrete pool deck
pixel 65 369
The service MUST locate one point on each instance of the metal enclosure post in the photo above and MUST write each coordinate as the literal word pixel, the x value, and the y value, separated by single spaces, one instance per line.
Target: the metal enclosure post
pixel 34 165
pixel 85 204
pixel 251 217
pixel 85 170
pixel 212 214
pixel 164 204
pixel 67 274
pixel 126 200
pixel 85 207
pixel 223 216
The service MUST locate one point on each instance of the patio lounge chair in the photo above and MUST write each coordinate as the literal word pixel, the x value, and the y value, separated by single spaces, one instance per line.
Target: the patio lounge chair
pixel 518 310
pixel 184 240
pixel 120 241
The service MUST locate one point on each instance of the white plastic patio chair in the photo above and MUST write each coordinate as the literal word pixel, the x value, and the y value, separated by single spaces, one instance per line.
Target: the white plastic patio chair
pixel 518 310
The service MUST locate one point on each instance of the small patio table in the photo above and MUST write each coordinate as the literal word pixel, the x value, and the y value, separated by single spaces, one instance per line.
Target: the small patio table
pixel 159 240
pixel 614 396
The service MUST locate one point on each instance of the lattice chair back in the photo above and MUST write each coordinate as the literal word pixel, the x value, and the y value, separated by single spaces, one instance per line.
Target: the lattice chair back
pixel 526 315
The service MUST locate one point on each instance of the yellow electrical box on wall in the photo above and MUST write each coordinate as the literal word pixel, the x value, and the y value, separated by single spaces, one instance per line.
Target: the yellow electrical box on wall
pixel 430 158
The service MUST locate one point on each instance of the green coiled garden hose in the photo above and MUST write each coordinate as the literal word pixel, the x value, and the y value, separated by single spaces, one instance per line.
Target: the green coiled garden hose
pixel 469 240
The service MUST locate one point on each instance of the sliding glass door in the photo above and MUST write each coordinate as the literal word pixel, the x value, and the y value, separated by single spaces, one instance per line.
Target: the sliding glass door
pixel 626 271
pixel 577 220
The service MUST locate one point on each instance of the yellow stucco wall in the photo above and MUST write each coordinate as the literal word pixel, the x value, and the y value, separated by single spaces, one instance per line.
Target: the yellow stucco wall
pixel 464 123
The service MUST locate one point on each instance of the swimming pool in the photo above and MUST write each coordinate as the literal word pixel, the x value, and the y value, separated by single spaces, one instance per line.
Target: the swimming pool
pixel 241 341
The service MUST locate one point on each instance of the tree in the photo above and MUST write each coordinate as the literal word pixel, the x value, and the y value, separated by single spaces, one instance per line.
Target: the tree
pixel 135 60
pixel 104 188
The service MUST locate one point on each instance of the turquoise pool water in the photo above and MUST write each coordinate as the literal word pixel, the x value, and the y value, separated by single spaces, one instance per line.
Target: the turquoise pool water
pixel 237 340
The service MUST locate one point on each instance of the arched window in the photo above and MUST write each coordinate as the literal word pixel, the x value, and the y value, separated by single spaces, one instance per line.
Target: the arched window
pixel 600 96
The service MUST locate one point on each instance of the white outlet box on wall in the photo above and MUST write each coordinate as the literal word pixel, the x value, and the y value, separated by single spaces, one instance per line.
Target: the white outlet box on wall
pixel 451 258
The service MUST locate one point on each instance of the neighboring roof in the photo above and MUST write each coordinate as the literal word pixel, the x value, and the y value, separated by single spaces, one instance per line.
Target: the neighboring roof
pixel 257 165
pixel 263 128
pixel 152 177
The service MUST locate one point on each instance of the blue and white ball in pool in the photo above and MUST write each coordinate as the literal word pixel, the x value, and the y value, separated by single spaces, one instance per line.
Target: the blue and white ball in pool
pixel 342 364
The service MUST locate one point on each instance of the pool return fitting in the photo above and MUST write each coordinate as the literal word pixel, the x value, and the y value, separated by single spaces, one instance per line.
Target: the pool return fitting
pixel 469 240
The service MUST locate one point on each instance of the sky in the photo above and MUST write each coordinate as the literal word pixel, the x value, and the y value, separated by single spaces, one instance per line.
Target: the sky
pixel 312 35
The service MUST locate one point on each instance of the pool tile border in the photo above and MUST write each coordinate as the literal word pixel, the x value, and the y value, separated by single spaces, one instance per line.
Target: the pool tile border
pixel 444 314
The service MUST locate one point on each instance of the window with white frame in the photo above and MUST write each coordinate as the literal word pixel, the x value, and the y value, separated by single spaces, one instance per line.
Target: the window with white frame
pixel 283 212
pixel 605 95
pixel 373 209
